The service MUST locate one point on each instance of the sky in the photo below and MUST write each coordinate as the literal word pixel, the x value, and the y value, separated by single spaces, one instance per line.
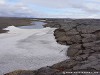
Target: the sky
pixel 50 8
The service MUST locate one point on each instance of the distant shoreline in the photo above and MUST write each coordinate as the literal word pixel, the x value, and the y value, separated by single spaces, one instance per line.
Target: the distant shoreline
pixel 8 21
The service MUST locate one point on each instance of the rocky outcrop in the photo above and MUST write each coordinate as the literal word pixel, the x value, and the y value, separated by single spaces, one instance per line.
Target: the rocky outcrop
pixel 83 37
pixel 84 40
pixel 21 72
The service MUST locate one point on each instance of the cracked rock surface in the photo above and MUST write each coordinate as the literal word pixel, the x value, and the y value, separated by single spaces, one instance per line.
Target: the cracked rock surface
pixel 83 37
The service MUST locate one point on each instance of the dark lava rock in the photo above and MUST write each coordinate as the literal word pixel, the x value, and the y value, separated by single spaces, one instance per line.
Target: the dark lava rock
pixel 46 71
pixel 21 72
pixel 73 50
pixel 67 64
pixel 88 28
pixel 88 38
pixel 72 32
pixel 83 37
pixel 60 36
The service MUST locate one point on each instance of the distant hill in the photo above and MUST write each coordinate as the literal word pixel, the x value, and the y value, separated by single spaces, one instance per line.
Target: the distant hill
pixel 7 21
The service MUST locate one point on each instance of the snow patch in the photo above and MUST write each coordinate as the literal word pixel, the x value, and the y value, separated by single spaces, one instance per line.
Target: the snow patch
pixel 29 49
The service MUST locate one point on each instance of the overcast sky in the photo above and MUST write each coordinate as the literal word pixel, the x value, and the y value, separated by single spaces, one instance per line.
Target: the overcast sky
pixel 51 8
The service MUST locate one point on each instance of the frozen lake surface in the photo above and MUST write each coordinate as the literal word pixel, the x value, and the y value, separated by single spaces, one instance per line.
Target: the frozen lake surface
pixel 29 49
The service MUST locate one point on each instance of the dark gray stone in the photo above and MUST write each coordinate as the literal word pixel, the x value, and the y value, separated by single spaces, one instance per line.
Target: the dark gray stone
pixel 45 71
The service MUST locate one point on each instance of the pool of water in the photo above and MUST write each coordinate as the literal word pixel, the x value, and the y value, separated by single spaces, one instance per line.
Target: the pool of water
pixel 35 25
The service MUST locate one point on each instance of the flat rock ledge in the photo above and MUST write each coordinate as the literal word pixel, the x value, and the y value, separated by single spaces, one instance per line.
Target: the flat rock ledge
pixel 83 37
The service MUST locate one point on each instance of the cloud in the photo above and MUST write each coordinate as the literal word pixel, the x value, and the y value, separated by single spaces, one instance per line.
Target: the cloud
pixel 16 10
pixel 2 2
pixel 86 8
pixel 51 8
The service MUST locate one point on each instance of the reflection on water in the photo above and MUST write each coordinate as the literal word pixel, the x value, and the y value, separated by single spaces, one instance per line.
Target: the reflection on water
pixel 35 25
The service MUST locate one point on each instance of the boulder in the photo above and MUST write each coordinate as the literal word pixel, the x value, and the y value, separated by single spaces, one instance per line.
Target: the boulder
pixel 67 64
pixel 88 38
pixel 72 32
pixel 74 50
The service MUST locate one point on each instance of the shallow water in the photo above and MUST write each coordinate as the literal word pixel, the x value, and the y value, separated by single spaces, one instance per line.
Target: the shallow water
pixel 35 25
